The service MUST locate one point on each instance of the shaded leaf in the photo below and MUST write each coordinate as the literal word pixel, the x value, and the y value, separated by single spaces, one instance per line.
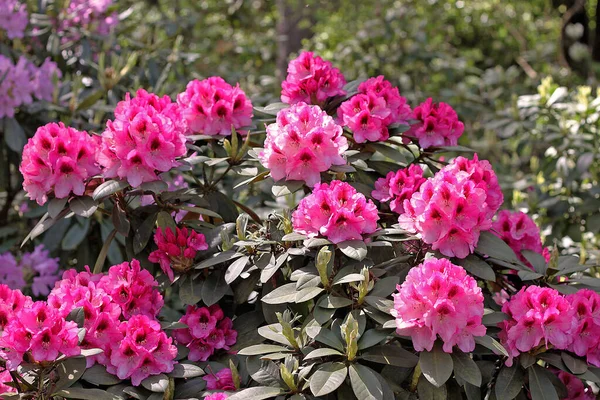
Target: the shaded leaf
pixel 436 365
pixel 465 368
pixel 327 378
pixel 540 386
pixel 364 383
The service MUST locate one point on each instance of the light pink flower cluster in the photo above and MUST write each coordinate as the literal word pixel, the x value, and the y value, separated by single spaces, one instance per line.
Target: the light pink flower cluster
pixel 133 289
pixel 586 325
pixel 337 212
pixel 399 186
pixel 519 232
pixel 451 209
pixel 58 160
pixel 5 378
pixel 438 125
pixel 576 389
pixel 216 396
pixel 208 330
pixel 143 351
pixel 144 139
pixel 212 107
pixel 119 317
pixel 304 142
pixel 222 380
pixel 36 268
pixel 312 80
pixel 23 81
pixel 93 16
pixel 40 332
pixel 537 317
pixel 369 113
pixel 439 299
pixel 13 18
pixel 176 250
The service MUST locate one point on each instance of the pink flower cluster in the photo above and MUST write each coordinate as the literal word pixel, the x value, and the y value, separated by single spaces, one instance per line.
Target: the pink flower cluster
pixel 438 125
pixel 439 298
pixel 13 18
pixel 576 389
pixel 23 81
pixel 451 209
pixel 208 330
pixel 399 186
pixel 369 113
pixel 212 107
pixel 537 316
pixel 304 142
pixel 90 15
pixel 144 139
pixel 216 396
pixel 337 212
pixel 58 160
pixel 586 325
pixel 176 250
pixel 5 378
pixel 312 80
pixel 119 317
pixel 222 380
pixel 12 302
pixel 36 268
pixel 519 232
pixel 144 350
pixel 41 332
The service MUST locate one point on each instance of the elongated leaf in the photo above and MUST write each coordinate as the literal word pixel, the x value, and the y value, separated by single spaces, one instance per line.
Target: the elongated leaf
pixel 427 391
pixel 327 378
pixel 183 370
pixel 465 368
pixel 332 301
pixel 55 206
pixel 540 386
pixel 355 249
pixel 235 269
pixel 478 267
pixel 491 344
pixel 283 294
pixel 329 338
pixel 262 349
pixel 107 188
pixel 143 233
pixel 491 245
pixel 214 288
pixel 97 375
pixel 391 355
pixel 436 365
pixel 14 135
pixel 218 259
pixel 575 365
pixel 364 383
pixel 385 286
pixel 156 383
pixel 86 394
pixel 84 206
pixel 256 393
pixel 190 290
pixel 324 352
pixel 307 294
pixel 371 338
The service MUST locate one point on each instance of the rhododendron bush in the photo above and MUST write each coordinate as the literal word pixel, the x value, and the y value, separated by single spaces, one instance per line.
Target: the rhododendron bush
pixel 337 245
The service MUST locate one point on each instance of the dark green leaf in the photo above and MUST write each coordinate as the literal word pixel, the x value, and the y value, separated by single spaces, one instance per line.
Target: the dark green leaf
pixel 327 378
pixel 385 286
pixel 540 386
pixel 218 259
pixel 97 375
pixel 491 245
pixel 107 188
pixel 69 371
pixel 436 365
pixel 182 370
pixel 329 338
pixel 283 294
pixel 355 249
pixel 86 394
pixel 256 393
pixel 214 288
pixel 83 206
pixel 143 233
pixel 391 355
pixel 478 267
pixel 190 290
pixel 156 383
pixel 371 338
pixel 55 206
pixel 465 368
pixel 262 349
pixel 364 383
pixel 491 344
pixel 14 135
pixel 427 391
pixel 575 365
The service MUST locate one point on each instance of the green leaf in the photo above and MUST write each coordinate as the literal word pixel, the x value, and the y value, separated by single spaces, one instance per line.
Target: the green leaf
pixel 327 378
pixel 262 349
pixel 256 393
pixel 329 338
pixel 183 370
pixel 324 352
pixel 540 385
pixel 575 365
pixel 97 375
pixel 307 294
pixel 265 372
pixel 164 221
pixel 436 365
pixel 332 301
pixel 465 368
pixel 274 332
pixel 55 206
pixel 190 290
pixel 86 394
pixel 355 249
pixel 371 338
pixel 235 269
pixel 283 294
pixel 427 391
pixel 391 355
pixel 385 286
pixel 218 259
pixel 107 188
pixel 285 188
pixel 69 371
pixel 14 135
pixel 156 383
pixel 293 237
pixel 348 278
pixel 493 318
pixel 364 383
pixel 491 245
pixel 492 344
pixel 143 233
pixel 214 288
pixel 478 267
pixel 536 260
pixel 83 206
pixel 75 235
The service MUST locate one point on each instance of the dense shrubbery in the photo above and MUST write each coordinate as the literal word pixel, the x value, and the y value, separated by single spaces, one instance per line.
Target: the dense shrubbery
pixel 339 244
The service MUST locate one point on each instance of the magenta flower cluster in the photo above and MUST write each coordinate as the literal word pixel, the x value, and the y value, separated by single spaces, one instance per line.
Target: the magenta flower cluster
pixel 120 310
pixel 369 113
pixel 92 16
pixel 537 316
pixel 35 268
pixel 519 231
pixel 437 125
pixel 576 389
pixel 451 209
pixel 144 139
pixel 212 107
pixel 176 250
pixel 221 380
pixel 208 330
pixel 337 212
pixel 304 142
pixel 216 396
pixel 24 81
pixel 399 186
pixel 58 160
pixel 13 18
pixel 439 299
pixel 311 80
